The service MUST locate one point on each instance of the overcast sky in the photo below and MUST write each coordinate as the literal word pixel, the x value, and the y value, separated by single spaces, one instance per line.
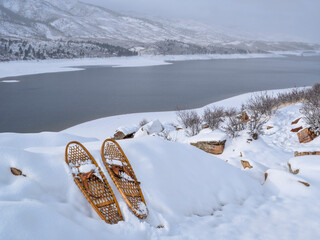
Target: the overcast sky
pixel 299 18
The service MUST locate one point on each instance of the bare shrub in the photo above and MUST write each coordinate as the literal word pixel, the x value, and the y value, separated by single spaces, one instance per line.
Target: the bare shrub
pixel 233 126
pixel 255 124
pixel 143 122
pixel 191 121
pixel 311 108
pixel 262 104
pixel 294 96
pixel 213 116
pixel 230 112
pixel 312 95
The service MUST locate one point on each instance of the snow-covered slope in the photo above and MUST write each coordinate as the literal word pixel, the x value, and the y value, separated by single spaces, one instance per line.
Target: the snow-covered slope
pixel 75 20
pixel 190 194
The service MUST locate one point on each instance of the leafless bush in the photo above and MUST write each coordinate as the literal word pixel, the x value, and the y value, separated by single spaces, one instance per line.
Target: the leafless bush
pixel 233 126
pixel 294 96
pixel 255 124
pixel 230 112
pixel 311 108
pixel 143 122
pixel 213 116
pixel 262 104
pixel 312 95
pixel 191 121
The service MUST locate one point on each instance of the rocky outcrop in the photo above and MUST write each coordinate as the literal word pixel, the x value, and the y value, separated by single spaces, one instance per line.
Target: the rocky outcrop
pixel 306 135
pixel 245 164
pixel 17 172
pixel 296 129
pixel 296 121
pixel 299 154
pixel 125 132
pixel 213 147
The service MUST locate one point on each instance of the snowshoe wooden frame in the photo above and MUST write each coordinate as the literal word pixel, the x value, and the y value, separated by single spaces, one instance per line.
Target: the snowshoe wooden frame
pixel 105 205
pixel 130 190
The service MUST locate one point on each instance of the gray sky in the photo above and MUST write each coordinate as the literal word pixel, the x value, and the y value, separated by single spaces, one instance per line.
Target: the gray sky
pixel 298 18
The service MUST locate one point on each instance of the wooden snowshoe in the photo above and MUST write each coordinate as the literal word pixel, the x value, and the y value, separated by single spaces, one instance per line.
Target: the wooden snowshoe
pixel 123 177
pixel 92 183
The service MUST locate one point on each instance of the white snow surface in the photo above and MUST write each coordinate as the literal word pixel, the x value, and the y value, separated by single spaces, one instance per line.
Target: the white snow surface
pixel 10 81
pixel 189 194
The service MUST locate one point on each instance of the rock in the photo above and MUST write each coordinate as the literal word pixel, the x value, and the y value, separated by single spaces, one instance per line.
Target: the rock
pixel 125 132
pixel 265 176
pixel 244 117
pixel 299 154
pixel 306 135
pixel 255 136
pixel 269 127
pixel 120 135
pixel 296 129
pixel 295 172
pixel 245 164
pixel 296 121
pixel 304 183
pixel 204 126
pixel 153 127
pixel 17 172
pixel 213 147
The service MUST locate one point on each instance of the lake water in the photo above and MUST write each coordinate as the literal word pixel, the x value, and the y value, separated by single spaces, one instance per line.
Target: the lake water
pixel 55 101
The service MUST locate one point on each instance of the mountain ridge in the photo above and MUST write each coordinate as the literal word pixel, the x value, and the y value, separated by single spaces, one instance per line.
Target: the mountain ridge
pixel 72 20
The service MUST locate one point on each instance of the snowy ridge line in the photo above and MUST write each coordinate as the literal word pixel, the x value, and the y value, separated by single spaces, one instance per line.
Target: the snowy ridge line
pixel 19 68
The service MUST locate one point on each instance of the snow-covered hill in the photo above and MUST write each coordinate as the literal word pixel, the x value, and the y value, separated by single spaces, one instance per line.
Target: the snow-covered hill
pixel 190 194
pixel 75 20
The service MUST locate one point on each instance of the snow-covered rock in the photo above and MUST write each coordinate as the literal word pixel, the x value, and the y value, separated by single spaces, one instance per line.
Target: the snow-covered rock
pixel 125 131
pixel 153 127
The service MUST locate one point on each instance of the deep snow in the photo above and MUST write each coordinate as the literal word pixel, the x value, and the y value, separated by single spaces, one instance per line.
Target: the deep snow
pixel 190 194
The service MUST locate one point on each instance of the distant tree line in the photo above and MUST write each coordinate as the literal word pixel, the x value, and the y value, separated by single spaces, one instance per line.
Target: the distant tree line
pixel 18 49
pixel 174 47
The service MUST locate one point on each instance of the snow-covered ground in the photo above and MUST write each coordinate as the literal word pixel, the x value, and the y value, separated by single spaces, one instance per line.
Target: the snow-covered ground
pixel 190 194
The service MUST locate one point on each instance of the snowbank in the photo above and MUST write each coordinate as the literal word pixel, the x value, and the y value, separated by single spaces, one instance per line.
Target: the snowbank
pixel 178 181
pixel 190 194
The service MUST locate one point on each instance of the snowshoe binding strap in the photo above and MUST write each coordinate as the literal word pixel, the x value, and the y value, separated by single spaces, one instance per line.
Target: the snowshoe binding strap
pixel 117 169
pixel 93 185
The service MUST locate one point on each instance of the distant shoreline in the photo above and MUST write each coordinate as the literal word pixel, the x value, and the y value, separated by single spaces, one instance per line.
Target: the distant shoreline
pixel 30 67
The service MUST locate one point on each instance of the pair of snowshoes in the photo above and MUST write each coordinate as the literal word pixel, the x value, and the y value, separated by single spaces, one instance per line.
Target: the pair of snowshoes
pixel 94 185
